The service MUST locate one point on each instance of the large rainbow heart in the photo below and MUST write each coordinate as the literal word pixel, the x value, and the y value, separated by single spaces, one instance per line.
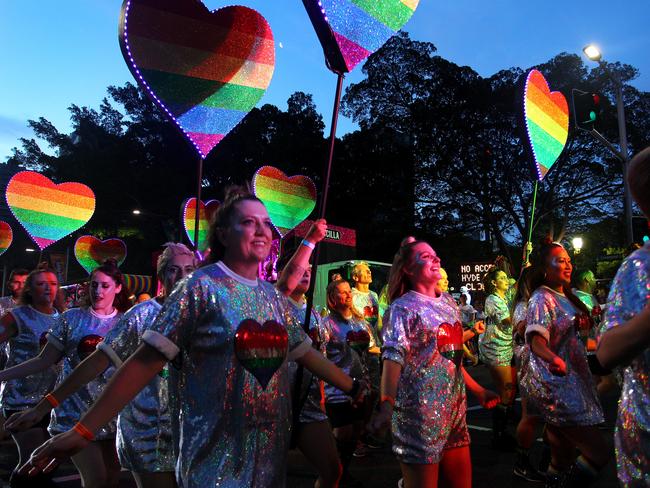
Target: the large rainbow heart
pixel 289 200
pixel 206 69
pixel 92 252
pixel 351 30
pixel 206 212
pixel 547 121
pixel 6 236
pixel 261 349
pixel 48 211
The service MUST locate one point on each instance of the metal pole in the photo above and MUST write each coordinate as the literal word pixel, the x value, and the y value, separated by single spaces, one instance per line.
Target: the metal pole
pixel 530 226
pixel 199 178
pixel 622 136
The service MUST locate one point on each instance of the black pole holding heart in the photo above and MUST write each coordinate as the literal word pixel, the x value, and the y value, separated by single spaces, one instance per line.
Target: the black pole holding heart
pixel 197 208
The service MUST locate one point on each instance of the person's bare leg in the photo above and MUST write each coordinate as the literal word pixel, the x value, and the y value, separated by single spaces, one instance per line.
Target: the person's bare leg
pixel 316 442
pixel 420 475
pixel 456 468
pixel 90 464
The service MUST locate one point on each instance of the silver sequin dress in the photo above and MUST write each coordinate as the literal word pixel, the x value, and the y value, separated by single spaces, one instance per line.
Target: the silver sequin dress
pixel 495 344
pixel 32 325
pixel 430 406
pixel 564 401
pixel 232 431
pixel 367 305
pixel 520 349
pixel 76 334
pixel 144 438
pixel 630 292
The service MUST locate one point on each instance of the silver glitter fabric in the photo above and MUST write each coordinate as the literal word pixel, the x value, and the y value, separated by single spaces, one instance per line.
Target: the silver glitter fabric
pixel 569 400
pixel 367 305
pixel 629 294
pixel 76 334
pixel 144 438
pixel 519 343
pixel 26 392
pixel 312 409
pixel 495 344
pixel 347 347
pixel 430 406
pixel 232 431
pixel 6 304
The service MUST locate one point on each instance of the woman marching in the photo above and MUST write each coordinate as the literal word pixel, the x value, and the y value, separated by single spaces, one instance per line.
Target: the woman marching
pixel 73 337
pixel 24 329
pixel 423 381
pixel 144 439
pixel 556 378
pixel 230 334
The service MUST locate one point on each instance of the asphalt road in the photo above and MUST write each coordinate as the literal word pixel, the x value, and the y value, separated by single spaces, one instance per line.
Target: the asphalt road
pixel 491 469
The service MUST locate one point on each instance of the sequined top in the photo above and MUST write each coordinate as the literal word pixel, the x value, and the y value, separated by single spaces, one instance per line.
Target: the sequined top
pixel 367 305
pixel 76 334
pixel 431 402
pixel 6 304
pixel 495 344
pixel 144 438
pixel 312 410
pixel 520 349
pixel 629 294
pixel 32 325
pixel 230 337
pixel 569 400
pixel 347 347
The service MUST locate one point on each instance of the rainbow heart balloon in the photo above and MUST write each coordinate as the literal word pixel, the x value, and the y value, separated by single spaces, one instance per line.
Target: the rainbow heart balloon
pixel 289 200
pixel 261 349
pixel 6 237
pixel 547 121
pixel 206 69
pixel 92 252
pixel 48 211
pixel 351 30
pixel 206 212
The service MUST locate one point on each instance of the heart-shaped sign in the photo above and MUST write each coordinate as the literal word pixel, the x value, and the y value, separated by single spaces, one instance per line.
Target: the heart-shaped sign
pixel 351 30
pixel 48 211
pixel 6 236
pixel 289 200
pixel 206 212
pixel 92 252
pixel 547 121
pixel 359 340
pixel 261 349
pixel 206 69
pixel 450 341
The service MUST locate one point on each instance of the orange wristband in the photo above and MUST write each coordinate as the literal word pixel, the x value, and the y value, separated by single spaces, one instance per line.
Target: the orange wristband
pixel 389 399
pixel 51 399
pixel 83 431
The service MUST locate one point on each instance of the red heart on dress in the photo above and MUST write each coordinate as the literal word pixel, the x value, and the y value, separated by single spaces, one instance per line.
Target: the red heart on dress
pixel 450 341
pixel 87 345
pixel 359 340
pixel 261 349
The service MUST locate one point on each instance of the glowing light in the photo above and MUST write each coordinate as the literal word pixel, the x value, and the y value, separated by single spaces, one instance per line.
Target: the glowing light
pixel 92 252
pixel 48 211
pixel 205 69
pixel 592 52
pixel 577 244
pixel 30 249
pixel 289 200
pixel 6 236
pixel 136 212
pixel 547 121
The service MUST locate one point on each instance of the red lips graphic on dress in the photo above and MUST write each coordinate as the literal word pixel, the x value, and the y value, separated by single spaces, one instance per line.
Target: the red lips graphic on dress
pixel 261 349
pixel 359 340
pixel 450 341
pixel 87 345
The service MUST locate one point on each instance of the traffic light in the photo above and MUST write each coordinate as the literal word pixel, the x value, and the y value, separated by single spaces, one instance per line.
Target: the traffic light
pixel 586 109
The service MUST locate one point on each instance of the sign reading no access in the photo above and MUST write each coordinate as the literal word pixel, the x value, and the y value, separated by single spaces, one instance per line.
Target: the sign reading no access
pixel 471 275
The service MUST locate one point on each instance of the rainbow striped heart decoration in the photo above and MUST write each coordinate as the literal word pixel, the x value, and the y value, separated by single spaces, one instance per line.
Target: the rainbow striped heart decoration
pixel 48 211
pixel 351 30
pixel 547 121
pixel 92 252
pixel 6 236
pixel 261 348
pixel 289 200
pixel 206 212
pixel 206 69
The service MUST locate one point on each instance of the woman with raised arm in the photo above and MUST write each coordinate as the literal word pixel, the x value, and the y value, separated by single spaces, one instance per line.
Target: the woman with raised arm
pixel 230 335
pixel 556 378
pixel 23 329
pixel 423 381
pixel 144 439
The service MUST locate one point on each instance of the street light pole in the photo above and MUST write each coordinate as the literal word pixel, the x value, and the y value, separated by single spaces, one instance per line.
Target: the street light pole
pixel 622 137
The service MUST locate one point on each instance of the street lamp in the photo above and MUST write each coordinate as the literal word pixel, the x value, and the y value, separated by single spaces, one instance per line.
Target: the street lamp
pixel 136 212
pixel 593 53
pixel 577 244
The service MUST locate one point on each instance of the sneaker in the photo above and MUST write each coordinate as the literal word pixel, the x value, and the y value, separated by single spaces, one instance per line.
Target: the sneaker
pixel 361 450
pixel 525 470
pixel 373 443
pixel 400 483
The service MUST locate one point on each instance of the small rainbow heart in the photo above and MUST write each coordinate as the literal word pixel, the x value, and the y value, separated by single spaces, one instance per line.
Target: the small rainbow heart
pixel 351 30
pixel 450 341
pixel 206 212
pixel 6 237
pixel 289 200
pixel 206 69
pixel 359 340
pixel 48 211
pixel 261 349
pixel 92 252
pixel 547 121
